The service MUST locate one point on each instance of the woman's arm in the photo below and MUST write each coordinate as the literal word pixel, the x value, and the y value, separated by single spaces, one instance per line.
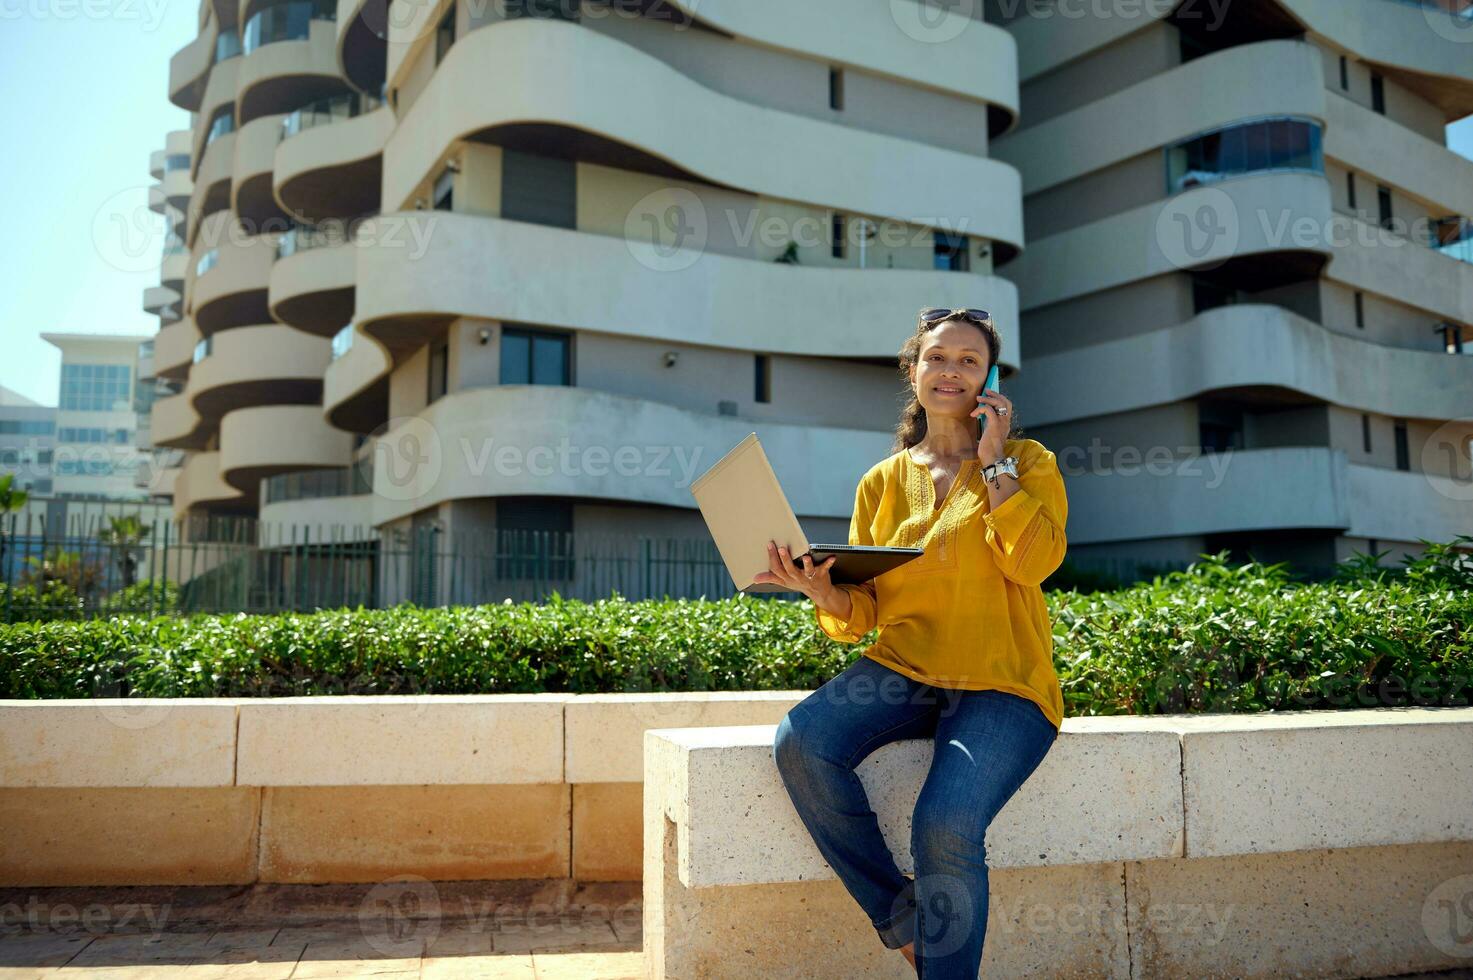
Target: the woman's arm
pixel 1025 527
pixel 847 612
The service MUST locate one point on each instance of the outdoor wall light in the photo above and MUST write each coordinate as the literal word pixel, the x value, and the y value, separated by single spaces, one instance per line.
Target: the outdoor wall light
pixel 484 336
pixel 671 357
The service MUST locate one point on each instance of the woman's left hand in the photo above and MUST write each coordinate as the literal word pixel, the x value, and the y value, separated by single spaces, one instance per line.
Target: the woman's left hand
pixel 995 407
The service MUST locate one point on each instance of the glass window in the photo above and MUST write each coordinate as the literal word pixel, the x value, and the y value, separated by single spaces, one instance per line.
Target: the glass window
pixel 1251 147
pixel 227 45
pixel 96 387
pixel 439 379
pixel 952 252
pixel 535 357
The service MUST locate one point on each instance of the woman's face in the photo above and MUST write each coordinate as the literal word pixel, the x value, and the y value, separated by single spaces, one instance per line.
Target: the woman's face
pixel 953 356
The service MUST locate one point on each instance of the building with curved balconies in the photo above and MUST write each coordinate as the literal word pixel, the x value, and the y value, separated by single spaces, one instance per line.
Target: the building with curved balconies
pixel 1247 301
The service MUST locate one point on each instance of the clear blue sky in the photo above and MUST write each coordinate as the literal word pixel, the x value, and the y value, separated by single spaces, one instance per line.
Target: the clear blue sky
pixel 85 96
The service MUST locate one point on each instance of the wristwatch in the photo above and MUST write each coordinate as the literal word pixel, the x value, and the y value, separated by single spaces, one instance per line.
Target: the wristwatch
pixel 1008 465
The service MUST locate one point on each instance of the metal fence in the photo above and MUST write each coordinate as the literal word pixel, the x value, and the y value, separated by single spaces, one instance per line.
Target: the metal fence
pixel 91 559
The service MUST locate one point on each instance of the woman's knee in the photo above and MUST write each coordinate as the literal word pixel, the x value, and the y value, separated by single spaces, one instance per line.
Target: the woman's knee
pixel 787 744
pixel 945 836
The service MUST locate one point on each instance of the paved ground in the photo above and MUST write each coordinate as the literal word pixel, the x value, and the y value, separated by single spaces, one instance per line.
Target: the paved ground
pixel 397 929
pixel 400 929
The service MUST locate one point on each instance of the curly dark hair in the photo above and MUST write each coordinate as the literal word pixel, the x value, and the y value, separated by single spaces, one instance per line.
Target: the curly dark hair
pixel 912 426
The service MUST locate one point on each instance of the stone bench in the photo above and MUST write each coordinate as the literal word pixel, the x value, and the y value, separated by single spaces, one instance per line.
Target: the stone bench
pixel 1317 843
pixel 324 789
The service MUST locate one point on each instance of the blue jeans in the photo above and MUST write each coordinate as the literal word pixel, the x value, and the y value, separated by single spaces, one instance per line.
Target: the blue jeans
pixel 986 744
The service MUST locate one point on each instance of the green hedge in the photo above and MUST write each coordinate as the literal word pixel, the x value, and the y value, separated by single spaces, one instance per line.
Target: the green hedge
pixel 1215 637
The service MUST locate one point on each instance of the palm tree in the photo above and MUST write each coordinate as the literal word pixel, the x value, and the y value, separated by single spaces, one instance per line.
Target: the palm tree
pixel 12 499
pixel 125 534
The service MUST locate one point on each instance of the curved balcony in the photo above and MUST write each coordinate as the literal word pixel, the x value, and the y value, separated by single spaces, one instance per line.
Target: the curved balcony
pixel 556 74
pixel 176 425
pixel 261 442
pixel 189 69
pixel 1396 505
pixel 1278 78
pixel 231 292
pixel 1204 227
pixel 898 40
pixel 219 93
pixel 329 163
pixel 174 269
pixel 1375 260
pixel 1368 142
pixel 355 388
pixel 289 67
pixel 199 486
pixel 312 281
pixel 212 183
pixel 362 27
pixel 173 350
pixel 252 199
pixel 265 365
pixel 177 187
pixel 1245 346
pixel 158 298
pixel 1282 488
pixel 453 439
pixel 428 267
pixel 1419 48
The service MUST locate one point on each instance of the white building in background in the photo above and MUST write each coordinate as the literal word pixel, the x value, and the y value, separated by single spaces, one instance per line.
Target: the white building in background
pixel 96 454
pixel 27 439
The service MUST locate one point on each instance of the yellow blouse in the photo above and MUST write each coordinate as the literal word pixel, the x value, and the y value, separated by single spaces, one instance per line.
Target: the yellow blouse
pixel 968 614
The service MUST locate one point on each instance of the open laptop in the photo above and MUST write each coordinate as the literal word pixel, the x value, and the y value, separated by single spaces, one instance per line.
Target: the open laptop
pixel 744 507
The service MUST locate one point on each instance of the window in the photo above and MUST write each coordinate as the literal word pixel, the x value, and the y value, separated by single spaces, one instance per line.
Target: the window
pixel 444 194
pixel 836 88
pixel 1344 74
pixel 534 538
pixel 1378 93
pixel 227 45
pixel 952 252
pixel 1350 189
pixel 71 434
pixel 539 189
pixel 445 35
pixel 17 427
pixel 535 357
pixel 1365 432
pixel 96 387
pixel 1383 205
pixel 1274 144
pixel 763 365
pixel 1360 310
pixel 1452 337
pixel 1403 455
pixel 222 123
pixel 439 378
pixel 836 235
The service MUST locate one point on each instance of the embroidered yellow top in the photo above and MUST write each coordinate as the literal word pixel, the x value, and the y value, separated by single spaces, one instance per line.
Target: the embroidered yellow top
pixel 969 613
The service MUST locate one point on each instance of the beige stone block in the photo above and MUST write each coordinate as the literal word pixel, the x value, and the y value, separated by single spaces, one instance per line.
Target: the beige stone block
pixel 606 731
pixel 118 742
pixel 443 739
pixel 1342 912
pixel 128 836
pixel 608 829
pixel 369 833
pixel 1097 797
pixel 1042 922
pixel 1309 780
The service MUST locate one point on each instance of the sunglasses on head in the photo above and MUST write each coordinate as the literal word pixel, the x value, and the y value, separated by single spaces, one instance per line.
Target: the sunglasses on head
pixel 935 314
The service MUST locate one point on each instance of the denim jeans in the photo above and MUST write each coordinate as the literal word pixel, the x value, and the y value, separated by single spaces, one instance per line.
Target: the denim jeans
pixel 986 744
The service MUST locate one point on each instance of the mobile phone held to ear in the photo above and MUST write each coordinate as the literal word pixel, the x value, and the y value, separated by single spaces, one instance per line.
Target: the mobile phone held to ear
pixel 989 385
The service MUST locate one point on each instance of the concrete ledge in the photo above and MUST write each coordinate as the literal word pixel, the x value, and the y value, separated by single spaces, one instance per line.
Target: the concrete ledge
pixel 410 740
pixel 118 742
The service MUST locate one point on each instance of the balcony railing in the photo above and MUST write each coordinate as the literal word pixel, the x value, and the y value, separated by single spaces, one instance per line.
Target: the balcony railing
pixel 324 112
pixel 303 238
pixel 1453 237
pixel 1270 144
pixel 291 21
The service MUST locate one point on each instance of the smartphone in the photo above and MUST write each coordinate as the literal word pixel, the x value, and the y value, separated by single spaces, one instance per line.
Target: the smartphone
pixel 989 385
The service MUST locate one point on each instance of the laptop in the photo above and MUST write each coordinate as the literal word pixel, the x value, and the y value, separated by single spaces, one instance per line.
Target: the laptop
pixel 745 507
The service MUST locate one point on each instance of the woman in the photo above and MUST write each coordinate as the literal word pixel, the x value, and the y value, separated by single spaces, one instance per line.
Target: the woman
pixel 964 655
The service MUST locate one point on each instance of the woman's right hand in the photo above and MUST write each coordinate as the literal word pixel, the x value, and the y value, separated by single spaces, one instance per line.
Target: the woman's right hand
pixel 811 580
